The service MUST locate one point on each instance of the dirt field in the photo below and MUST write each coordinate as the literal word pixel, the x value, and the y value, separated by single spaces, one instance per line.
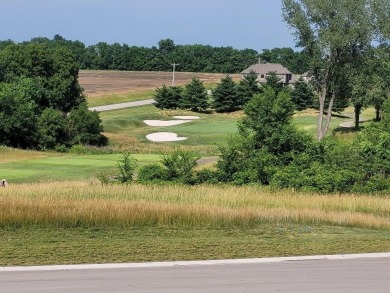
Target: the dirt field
pixel 101 82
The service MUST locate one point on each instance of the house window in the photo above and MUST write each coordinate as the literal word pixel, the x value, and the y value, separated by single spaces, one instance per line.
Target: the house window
pixel 262 76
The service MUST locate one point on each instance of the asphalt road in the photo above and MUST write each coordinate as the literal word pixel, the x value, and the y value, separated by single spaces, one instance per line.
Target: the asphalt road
pixel 344 276
pixel 121 105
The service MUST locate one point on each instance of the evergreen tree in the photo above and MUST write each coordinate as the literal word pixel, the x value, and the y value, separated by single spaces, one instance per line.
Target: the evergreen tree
pixel 168 97
pixel 302 95
pixel 175 95
pixel 161 97
pixel 226 98
pixel 274 82
pixel 195 96
pixel 247 87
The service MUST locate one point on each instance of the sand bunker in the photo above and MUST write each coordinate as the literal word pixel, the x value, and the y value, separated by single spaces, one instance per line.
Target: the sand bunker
pixel 165 123
pixel 164 136
pixel 186 117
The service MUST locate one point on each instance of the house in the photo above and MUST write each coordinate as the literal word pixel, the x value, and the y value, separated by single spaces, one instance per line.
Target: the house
pixel 262 70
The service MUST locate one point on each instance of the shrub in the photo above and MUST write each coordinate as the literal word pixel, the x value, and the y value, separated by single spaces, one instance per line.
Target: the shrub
pixel 180 166
pixel 126 168
pixel 153 172
pixel 206 176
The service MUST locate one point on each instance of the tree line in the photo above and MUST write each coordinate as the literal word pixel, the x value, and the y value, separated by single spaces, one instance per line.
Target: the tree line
pixel 229 96
pixel 192 58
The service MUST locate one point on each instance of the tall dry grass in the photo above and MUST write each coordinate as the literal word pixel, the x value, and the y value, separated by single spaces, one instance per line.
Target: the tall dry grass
pixel 71 204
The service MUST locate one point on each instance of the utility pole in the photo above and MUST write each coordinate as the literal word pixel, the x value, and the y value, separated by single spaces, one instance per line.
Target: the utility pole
pixel 173 76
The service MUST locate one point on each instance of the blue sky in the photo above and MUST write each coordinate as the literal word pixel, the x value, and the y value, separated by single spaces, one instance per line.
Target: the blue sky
pixel 254 24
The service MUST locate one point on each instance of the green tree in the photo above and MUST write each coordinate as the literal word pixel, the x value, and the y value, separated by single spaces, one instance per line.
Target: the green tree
pixel 84 127
pixel 379 90
pixel 52 129
pixel 332 33
pixel 195 96
pixel 268 123
pixel 266 140
pixel 302 95
pixel 225 94
pixel 274 82
pixel 175 94
pixel 247 87
pixel 161 96
pixel 55 68
pixel 168 97
pixel 296 62
pixel 18 119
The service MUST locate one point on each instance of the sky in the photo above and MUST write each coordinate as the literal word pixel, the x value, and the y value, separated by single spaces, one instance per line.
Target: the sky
pixel 253 24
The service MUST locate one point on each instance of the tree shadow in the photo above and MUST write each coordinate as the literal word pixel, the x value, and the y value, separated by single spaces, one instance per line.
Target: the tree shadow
pixel 346 130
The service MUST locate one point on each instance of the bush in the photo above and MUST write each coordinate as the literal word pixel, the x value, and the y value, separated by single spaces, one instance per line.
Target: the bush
pixel 150 173
pixel 180 166
pixel 126 168
pixel 206 176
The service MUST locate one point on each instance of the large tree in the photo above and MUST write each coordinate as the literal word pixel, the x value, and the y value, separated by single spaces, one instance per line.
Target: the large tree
pixel 54 68
pixel 38 87
pixel 334 33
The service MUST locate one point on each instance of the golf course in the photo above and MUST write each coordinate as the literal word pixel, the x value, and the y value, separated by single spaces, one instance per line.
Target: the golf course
pixel 56 210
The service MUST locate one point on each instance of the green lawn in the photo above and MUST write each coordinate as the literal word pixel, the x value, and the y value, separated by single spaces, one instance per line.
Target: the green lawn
pixel 208 131
pixel 44 246
pixel 66 167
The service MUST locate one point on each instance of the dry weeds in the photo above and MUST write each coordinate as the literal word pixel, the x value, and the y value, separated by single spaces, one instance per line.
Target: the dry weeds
pixel 88 204
pixel 101 82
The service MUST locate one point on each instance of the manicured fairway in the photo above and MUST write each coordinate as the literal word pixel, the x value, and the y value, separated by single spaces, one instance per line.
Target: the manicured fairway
pixel 205 133
pixel 65 167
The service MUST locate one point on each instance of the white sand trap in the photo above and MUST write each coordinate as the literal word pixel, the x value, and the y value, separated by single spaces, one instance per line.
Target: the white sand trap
pixel 164 136
pixel 186 117
pixel 165 123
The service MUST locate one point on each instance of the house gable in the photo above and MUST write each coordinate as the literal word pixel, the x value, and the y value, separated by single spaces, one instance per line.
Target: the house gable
pixel 262 70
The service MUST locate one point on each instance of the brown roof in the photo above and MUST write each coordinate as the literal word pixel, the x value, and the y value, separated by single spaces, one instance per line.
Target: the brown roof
pixel 266 68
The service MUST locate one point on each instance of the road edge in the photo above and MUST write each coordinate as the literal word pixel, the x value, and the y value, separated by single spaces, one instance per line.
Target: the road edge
pixel 191 263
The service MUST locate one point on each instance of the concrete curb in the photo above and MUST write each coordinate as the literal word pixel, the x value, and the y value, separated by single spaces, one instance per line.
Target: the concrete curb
pixel 191 263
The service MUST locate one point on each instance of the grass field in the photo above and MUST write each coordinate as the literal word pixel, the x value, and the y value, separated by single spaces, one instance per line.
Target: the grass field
pixel 80 222
pixel 39 166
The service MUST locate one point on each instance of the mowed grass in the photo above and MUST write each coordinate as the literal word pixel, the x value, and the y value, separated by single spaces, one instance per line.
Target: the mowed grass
pixel 48 246
pixel 127 130
pixel 82 222
pixel 54 167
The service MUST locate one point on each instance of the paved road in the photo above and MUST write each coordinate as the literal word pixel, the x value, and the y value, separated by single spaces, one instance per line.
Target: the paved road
pixel 122 105
pixel 344 276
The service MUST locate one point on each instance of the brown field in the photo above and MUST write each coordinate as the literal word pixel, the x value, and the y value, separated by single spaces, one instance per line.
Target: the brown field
pixel 103 82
